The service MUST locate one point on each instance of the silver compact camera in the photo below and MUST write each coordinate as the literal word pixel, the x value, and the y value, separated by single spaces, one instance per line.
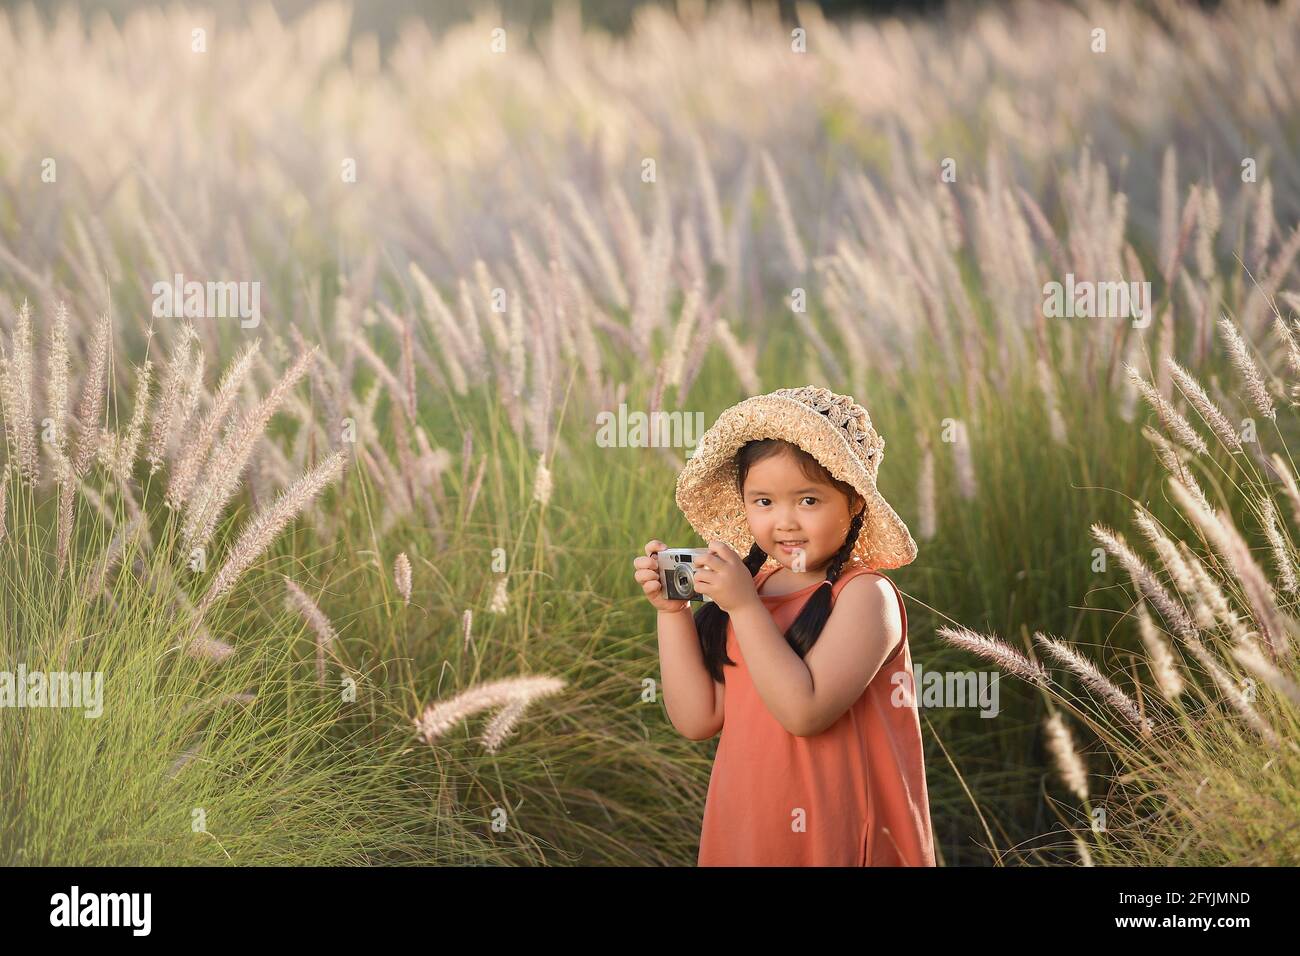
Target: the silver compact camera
pixel 677 573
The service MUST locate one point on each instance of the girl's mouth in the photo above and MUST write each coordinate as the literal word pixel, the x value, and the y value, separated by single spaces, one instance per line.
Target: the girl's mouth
pixel 791 547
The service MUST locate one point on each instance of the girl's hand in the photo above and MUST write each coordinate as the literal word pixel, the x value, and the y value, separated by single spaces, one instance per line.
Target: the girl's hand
pixel 722 575
pixel 647 574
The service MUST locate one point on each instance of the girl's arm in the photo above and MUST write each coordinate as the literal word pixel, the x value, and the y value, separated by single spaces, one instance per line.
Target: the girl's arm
pixel 806 695
pixel 691 695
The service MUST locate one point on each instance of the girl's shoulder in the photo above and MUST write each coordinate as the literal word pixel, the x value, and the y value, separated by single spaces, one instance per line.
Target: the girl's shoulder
pixel 860 570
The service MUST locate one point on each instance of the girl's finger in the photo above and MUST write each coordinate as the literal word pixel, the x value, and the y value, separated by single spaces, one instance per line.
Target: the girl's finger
pixel 719 547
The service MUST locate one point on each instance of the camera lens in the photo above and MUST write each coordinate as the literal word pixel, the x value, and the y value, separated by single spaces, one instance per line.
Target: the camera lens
pixel 684 580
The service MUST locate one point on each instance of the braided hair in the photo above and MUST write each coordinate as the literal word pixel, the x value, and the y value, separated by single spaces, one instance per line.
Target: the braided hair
pixel 711 620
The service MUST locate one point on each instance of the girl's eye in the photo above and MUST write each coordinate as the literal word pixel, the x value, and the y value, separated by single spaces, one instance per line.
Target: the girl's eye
pixel 809 498
pixel 759 501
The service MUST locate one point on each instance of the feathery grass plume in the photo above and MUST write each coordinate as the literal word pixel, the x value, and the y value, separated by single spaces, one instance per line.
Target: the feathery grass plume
pixel 67 511
pixel 410 476
pixel 1160 657
pixel 112 555
pixel 16 392
pixel 1068 762
pixel 440 716
pixel 193 388
pixel 1145 580
pixel 494 322
pixel 185 471
pixel 1284 334
pixel 474 488
pixel 600 252
pixel 217 702
pixel 4 505
pixel 402 577
pixel 925 498
pixel 789 234
pixel 1249 655
pixel 1191 211
pixel 392 489
pixel 129 445
pixel 408 372
pixel 961 452
pixel 467 449
pixel 1171 457
pixel 90 409
pixel 99 504
pixel 467 624
pixel 106 450
pixel 391 382
pixel 1256 390
pixel 1282 554
pixel 713 227
pixel 500 600
pixel 992 649
pixel 320 624
pixel 326 393
pixel 196 642
pixel 228 460
pixel 266 525
pixel 1223 535
pixel 56 391
pixel 1210 412
pixel 184 758
pixel 1085 855
pixel 1048 386
pixel 1168 211
pixel 542 483
pixel 445 330
pixel 1087 671
pixel 168 407
pixel 675 360
pixel 1174 423
pixel 1207 228
pixel 1167 550
pixel 741 362
pixel 502 724
pixel 1289 483
pixel 1262 222
pixel 518 358
pixel 1234 694
pixel 1211 601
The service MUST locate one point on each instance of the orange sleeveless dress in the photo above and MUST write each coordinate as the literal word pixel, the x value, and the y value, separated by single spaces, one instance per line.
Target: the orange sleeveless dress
pixel 860 783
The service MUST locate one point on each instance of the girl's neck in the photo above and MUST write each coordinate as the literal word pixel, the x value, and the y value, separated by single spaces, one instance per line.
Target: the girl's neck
pixel 798 579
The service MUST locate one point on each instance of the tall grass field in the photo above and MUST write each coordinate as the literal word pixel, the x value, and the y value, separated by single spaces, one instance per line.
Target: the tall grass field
pixel 312 549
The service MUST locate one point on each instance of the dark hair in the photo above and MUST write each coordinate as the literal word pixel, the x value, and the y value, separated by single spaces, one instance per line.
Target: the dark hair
pixel 711 620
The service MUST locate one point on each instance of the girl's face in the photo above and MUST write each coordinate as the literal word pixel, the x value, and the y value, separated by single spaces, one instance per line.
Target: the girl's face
pixel 782 504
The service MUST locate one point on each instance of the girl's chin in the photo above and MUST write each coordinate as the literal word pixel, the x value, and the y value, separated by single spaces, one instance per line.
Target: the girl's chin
pixel 787 556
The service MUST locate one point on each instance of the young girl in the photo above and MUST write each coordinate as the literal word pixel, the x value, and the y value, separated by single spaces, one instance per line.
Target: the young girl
pixel 820 761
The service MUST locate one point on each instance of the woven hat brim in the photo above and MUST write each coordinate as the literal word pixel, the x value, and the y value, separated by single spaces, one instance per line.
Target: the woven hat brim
pixel 706 487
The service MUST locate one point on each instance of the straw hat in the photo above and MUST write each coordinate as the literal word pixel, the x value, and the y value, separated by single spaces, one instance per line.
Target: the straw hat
pixel 832 428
